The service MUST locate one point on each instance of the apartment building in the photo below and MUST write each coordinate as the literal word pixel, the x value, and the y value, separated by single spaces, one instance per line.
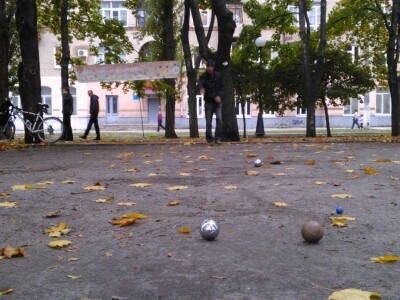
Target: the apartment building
pixel 119 109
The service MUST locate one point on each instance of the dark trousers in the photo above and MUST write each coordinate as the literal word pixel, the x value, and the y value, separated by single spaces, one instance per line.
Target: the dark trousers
pixel 67 136
pixel 160 125
pixel 355 122
pixel 212 108
pixel 95 121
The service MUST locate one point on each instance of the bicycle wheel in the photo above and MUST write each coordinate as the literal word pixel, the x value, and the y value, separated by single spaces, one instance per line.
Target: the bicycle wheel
pixel 8 131
pixel 50 130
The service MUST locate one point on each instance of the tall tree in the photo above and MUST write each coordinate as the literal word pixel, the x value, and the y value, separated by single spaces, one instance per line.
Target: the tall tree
pixel 29 68
pixel 373 26
pixel 226 29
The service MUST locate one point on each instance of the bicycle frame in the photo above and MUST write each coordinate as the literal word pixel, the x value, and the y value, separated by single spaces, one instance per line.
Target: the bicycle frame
pixel 32 128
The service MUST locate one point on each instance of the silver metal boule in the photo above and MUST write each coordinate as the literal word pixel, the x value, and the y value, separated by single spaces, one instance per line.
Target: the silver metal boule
pixel 209 230
pixel 258 163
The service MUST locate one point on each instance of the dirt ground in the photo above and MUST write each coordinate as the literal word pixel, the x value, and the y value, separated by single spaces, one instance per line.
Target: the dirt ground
pixel 259 253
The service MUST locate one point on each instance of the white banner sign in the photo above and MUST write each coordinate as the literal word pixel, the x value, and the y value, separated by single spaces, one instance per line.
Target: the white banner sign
pixel 128 72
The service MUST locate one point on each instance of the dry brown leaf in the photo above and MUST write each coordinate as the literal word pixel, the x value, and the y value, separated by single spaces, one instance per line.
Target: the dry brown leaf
pixel 107 200
pixel 184 230
pixel 128 219
pixel 173 203
pixel 126 203
pixel 250 155
pixel 205 158
pixel 59 244
pixel 310 162
pixel 252 173
pixel 387 259
pixel 370 171
pixel 342 196
pixel 8 204
pixel 133 170
pixel 5 194
pixel 11 252
pixel 108 254
pixel 177 188
pixel 354 294
pixel 383 160
pixel 96 187
pixel 141 185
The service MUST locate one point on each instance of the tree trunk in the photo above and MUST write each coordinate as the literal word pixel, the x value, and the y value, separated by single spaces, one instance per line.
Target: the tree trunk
pixel 328 124
pixel 29 68
pixel 244 120
pixel 168 53
pixel 226 29
pixel 4 50
pixel 309 94
pixel 191 73
pixel 66 55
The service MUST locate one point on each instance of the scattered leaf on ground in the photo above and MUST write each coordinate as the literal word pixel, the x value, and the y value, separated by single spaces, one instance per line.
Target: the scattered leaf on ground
pixel 173 203
pixel 46 182
pixel 390 258
pixel 59 244
pixel 11 252
pixel 96 187
pixel 341 221
pixel 107 200
pixel 72 259
pixel 320 182
pixel 6 292
pixel 350 171
pixel 68 182
pixel 279 174
pixel 133 170
pixel 126 203
pixel 342 196
pixel 354 294
pixel 185 174
pixel 383 160
pixel 141 185
pixel 58 231
pixel 128 219
pixel 177 188
pixel 74 277
pixel 280 204
pixel 108 254
pixel 25 187
pixel 252 173
pixel 310 162
pixel 230 187
pixel 250 155
pixel 370 171
pixel 205 158
pixel 8 204
pixel 5 194
pixel 184 230
pixel 124 155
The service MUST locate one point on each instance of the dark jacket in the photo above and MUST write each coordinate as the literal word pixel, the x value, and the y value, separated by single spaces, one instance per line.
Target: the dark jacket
pixel 68 104
pixel 94 105
pixel 213 85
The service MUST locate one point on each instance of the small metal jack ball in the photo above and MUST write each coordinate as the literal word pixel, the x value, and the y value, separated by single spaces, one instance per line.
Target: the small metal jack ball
pixel 209 230
pixel 258 163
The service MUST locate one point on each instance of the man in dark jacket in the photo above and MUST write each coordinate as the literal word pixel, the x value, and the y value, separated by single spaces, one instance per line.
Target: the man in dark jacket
pixel 94 114
pixel 211 86
pixel 68 108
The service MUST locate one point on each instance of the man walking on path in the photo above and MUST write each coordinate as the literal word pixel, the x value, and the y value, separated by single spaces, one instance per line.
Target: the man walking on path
pixel 355 120
pixel 160 119
pixel 68 109
pixel 94 114
pixel 211 86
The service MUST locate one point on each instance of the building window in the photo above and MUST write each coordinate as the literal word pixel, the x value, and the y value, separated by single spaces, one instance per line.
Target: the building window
pixel 247 109
pixel 72 90
pixel 237 11
pixel 46 99
pixel 301 111
pixel 314 15
pixel 383 103
pixel 114 10
pixel 205 18
pixel 141 18
pixel 102 57
pixel 351 108
pixel 353 51
pixel 269 114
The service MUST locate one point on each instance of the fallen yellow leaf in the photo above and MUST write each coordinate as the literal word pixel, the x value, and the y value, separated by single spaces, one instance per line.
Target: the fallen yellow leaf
pixel 141 185
pixel 252 173
pixel 390 258
pixel 310 162
pixel 184 230
pixel 320 182
pixel 107 200
pixel 280 204
pixel 58 231
pixel 74 277
pixel 370 171
pixel 6 292
pixel 59 244
pixel 11 252
pixel 96 187
pixel 8 204
pixel 25 187
pixel 126 203
pixel 46 182
pixel 350 171
pixel 73 259
pixel 185 174
pixel 354 294
pixel 383 160
pixel 124 155
pixel 279 174
pixel 133 170
pixel 5 194
pixel 68 182
pixel 251 155
pixel 230 187
pixel 177 188
pixel 128 219
pixel 173 203
pixel 342 196
pixel 341 221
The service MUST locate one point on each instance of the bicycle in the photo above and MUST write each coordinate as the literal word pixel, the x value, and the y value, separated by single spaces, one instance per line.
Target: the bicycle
pixel 48 130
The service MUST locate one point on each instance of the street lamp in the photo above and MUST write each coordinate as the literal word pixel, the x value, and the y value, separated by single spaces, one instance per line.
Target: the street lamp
pixel 260 132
